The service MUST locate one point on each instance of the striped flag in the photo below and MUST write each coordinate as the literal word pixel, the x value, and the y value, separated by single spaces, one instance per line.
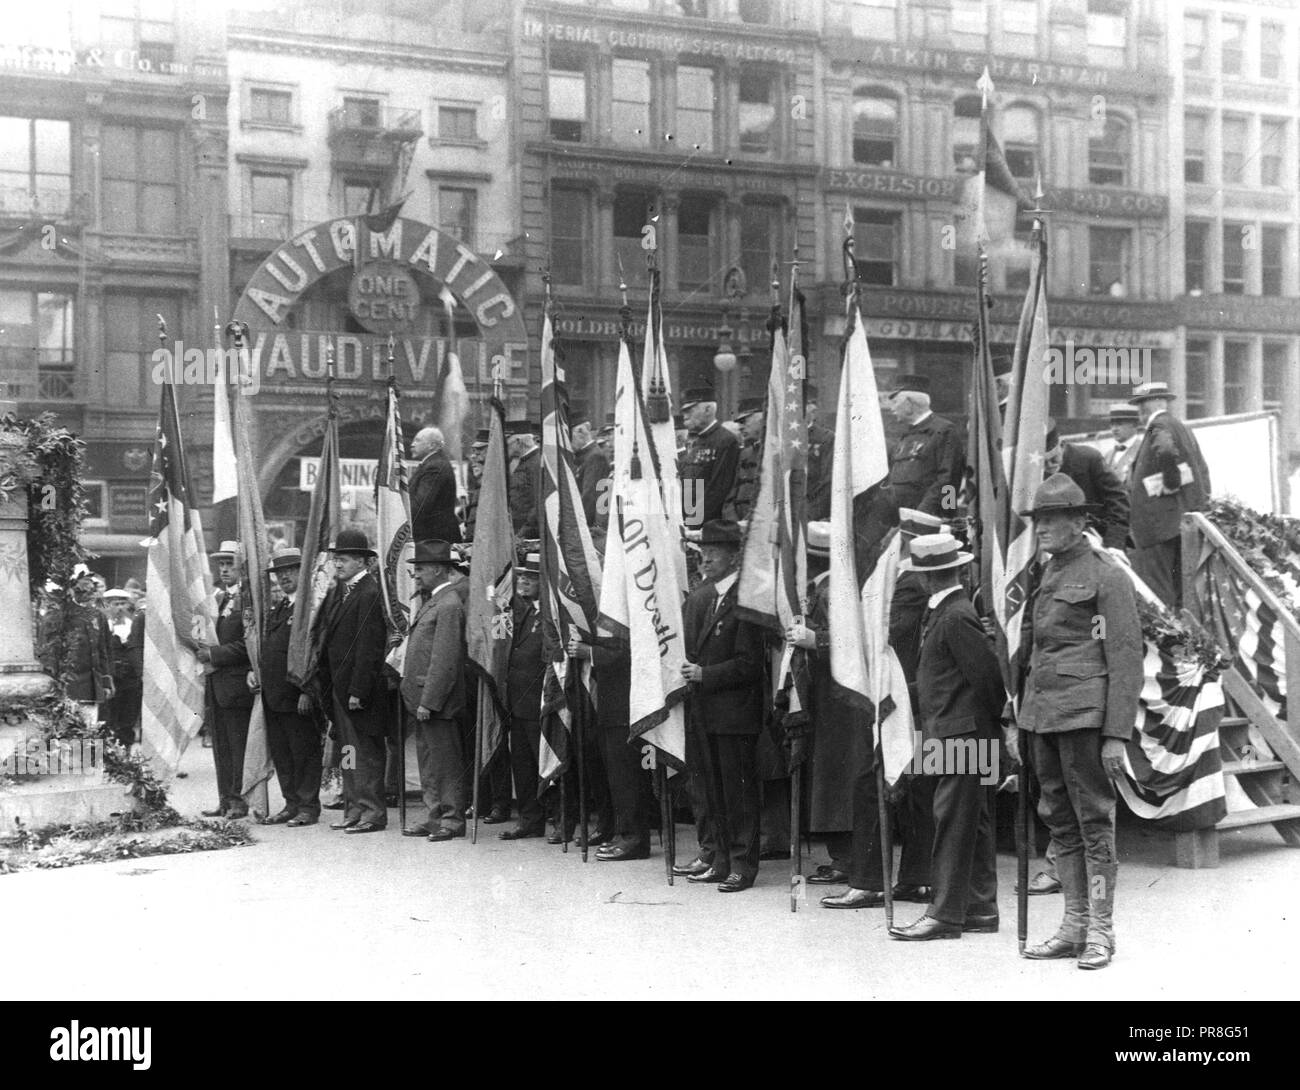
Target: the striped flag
pixel 489 619
pixel 180 600
pixel 570 569
pixel 453 403
pixel 864 558
pixel 393 530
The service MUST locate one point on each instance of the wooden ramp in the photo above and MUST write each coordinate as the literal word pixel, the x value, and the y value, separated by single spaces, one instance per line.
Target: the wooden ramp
pixel 1260 734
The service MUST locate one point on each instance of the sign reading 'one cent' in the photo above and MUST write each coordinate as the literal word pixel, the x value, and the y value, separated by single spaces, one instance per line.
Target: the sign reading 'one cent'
pixel 384 297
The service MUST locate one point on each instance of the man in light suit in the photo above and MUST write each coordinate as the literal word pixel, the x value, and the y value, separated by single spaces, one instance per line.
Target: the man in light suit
pixel 1124 422
pixel 433 692
pixel 1170 478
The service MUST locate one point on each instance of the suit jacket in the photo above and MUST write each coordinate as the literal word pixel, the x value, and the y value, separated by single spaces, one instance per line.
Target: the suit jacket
pixel 1120 462
pixel 79 651
pixel 1086 468
pixel 279 694
pixel 821 456
pixel 959 683
pixel 527 663
pixel 592 468
pixel 1167 445
pixel 228 682
pixel 434 674
pixel 525 481
pixel 712 458
pixel 128 656
pixel 728 698
pixel 353 641
pixel 433 500
pixel 905 611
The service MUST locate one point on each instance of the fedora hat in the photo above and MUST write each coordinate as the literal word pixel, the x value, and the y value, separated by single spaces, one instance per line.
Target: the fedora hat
pixel 720 532
pixel 819 539
pixel 285 559
pixel 432 551
pixel 352 541
pixel 1058 493
pixel 934 552
pixel 695 394
pixel 228 551
pixel 530 565
pixel 1149 390
pixel 914 523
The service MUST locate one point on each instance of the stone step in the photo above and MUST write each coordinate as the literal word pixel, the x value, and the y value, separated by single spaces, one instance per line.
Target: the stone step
pixel 1261 815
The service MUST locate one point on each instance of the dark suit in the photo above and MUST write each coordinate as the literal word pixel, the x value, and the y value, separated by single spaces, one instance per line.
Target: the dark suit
pixel 1087 468
pixel 821 456
pixel 1156 521
pixel 523 696
pixel 122 713
pixel 525 483
pixel 294 740
pixel 593 473
pixel 961 697
pixel 353 640
pixel 229 700
pixel 926 467
pixel 725 713
pixel 629 788
pixel 433 500
pixel 707 474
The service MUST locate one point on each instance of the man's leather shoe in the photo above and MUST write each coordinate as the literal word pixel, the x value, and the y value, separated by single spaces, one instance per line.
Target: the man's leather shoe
pixel 556 838
pixel 770 854
pixel 337 804
pixel 299 820
pixel 710 875
pixel 236 814
pixel 1095 955
pixel 921 895
pixel 347 824
pixel 735 883
pixel 855 898
pixel 924 929
pixel 981 923
pixel 496 816
pixel 618 852
pixel 282 818
pixel 1055 947
pixel 1042 882
pixel 695 866
pixel 439 835
pixel 220 811
pixel 520 834
pixel 417 830
pixel 367 827
pixel 828 876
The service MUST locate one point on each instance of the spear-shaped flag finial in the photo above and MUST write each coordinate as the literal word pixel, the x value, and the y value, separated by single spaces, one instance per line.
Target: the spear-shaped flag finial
pixel 985 85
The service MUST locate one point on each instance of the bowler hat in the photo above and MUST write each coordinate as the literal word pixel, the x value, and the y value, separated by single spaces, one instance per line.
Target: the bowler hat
pixel 1149 390
pixel 578 415
pixel 695 394
pixel 285 559
pixel 934 552
pixel 915 383
pixel 1058 493
pixel 819 539
pixel 352 541
pixel 228 551
pixel 914 523
pixel 720 532
pixel 432 551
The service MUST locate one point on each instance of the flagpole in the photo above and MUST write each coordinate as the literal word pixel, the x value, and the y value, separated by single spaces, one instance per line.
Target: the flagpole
pixel 395 716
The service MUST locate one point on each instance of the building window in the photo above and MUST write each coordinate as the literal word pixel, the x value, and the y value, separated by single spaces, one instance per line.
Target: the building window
pixel 1108 153
pixel 1196 236
pixel 1107 32
pixel 567 99
pixel 362 113
pixel 37 337
pixel 1234 150
pixel 130 336
pixel 1272 38
pixel 1108 252
pixel 760 242
pixel 141 180
pixel 458 213
pixel 1236 376
pixel 758 12
pixel 874 18
pixel 96 508
pixel 875 128
pixel 757 112
pixel 693 9
pixel 1194 43
pixel 1272 150
pixel 1234 258
pixel 631 114
pixel 270 107
pixel 966 134
pixel 1275 368
pixel 631 214
pixel 1197 364
pixel 35 167
pixel 1271 240
pixel 359 198
pixel 695 215
pixel 1232 52
pixel 146 26
pixel 569 235
pixel 457 123
pixel 1020 26
pixel 272 204
pixel 695 104
pixel 1194 147
pixel 970 24
pixel 1020 141
pixel 876 245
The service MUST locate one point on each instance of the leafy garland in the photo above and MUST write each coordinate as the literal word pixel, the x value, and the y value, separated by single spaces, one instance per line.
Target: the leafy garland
pixel 1269 544
pixel 51 468
pixel 126 837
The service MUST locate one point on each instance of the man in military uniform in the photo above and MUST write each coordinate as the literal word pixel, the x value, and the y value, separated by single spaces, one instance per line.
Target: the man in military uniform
pixel 1079 708
pixel 712 457
pixel 1085 466
pixel 751 419
pixel 75 647
pixel 821 453
pixel 1124 423
pixel 927 464
pixel 525 478
pixel 229 700
pixel 523 698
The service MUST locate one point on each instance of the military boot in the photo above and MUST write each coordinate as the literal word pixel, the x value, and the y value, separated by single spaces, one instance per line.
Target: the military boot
pixel 1100 946
pixel 1068 941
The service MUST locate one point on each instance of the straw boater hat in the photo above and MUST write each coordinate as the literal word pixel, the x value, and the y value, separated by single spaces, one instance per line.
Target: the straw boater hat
pixel 1149 390
pixel 532 565
pixel 819 539
pixel 352 541
pixel 285 559
pixel 1058 493
pixel 720 532
pixel 228 551
pixel 432 551
pixel 934 552
pixel 117 595
pixel 914 523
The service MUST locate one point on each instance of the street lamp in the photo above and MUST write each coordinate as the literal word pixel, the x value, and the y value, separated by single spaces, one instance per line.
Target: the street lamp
pixel 733 291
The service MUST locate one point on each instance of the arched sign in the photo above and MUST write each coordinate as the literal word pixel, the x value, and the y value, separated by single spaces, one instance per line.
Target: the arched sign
pixel 384 298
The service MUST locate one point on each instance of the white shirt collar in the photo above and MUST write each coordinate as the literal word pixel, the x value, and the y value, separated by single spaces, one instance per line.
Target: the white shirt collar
pixel 923 417
pixel 1151 419
pixel 725 583
pixel 357 578
pixel 935 599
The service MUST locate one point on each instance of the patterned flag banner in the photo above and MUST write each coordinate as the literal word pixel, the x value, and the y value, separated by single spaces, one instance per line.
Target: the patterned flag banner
pixel 987 208
pixel 180 603
pixel 393 530
pixel 862 566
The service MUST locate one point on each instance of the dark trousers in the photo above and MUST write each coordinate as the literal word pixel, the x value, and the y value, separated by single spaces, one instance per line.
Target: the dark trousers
pixel 697 793
pixel 600 808
pixel 494 776
pixel 1161 568
pixel 914 829
pixel 229 739
pixel 362 763
pixel 524 753
pixel 631 822
pixel 296 748
pixel 774 816
pixel 964 863
pixel 122 714
pixel 442 771
pixel 731 783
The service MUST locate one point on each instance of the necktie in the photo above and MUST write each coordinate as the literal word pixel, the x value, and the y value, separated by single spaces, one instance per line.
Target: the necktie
pixel 347 589
pixel 223 596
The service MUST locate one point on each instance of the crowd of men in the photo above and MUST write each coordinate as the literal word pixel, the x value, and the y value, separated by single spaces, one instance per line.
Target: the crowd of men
pixel 1076 711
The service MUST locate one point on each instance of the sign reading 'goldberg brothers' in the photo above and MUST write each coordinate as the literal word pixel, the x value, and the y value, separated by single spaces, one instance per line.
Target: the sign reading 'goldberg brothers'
pixel 385 298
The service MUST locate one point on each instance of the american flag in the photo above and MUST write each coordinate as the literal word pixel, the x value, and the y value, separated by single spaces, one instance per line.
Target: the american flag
pixel 393 530
pixel 570 568
pixel 180 599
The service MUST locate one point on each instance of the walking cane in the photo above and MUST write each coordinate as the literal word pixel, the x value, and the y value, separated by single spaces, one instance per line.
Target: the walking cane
pixel 395 710
pixel 478 760
pixel 580 740
pixel 796 847
pixel 667 832
pixel 1024 837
